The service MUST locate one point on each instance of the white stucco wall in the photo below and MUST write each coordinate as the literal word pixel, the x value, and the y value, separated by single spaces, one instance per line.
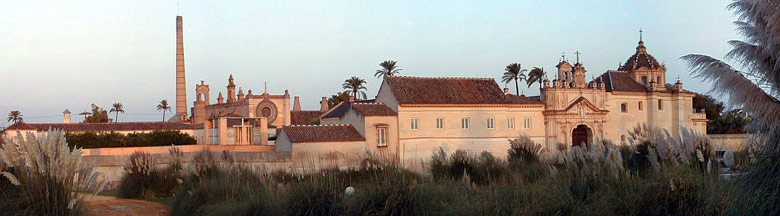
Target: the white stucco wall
pixel 418 145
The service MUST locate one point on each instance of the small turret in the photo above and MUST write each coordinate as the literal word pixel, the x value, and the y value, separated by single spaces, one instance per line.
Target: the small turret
pixel 66 116
pixel 220 99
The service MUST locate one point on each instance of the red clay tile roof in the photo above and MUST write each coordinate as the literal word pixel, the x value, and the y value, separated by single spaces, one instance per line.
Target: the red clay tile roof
pixel 322 133
pixel 303 117
pixel 120 126
pixel 514 99
pixel 373 109
pixel 426 90
pixel 620 81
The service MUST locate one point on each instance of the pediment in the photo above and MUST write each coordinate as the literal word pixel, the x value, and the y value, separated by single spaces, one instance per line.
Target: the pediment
pixel 582 104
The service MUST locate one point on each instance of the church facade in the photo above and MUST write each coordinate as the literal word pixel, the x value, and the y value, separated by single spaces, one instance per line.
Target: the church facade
pixel 413 117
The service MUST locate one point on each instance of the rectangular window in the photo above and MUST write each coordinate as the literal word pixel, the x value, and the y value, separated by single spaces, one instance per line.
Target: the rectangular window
pixel 510 123
pixel 640 105
pixel 527 123
pixel 440 123
pixel 490 122
pixel 660 104
pixel 644 80
pixel 624 107
pixel 465 123
pixel 381 136
pixel 415 124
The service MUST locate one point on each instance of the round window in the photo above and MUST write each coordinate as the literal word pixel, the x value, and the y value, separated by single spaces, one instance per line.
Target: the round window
pixel 266 112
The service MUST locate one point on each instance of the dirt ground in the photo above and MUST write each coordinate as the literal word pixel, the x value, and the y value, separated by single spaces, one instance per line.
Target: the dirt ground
pixel 108 205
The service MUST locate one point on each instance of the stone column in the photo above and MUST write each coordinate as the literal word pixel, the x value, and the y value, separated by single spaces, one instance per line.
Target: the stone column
pixel 222 127
pixel 263 123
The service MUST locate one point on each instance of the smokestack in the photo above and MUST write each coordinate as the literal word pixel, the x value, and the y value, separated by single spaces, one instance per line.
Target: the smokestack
pixel 297 103
pixel 324 105
pixel 181 82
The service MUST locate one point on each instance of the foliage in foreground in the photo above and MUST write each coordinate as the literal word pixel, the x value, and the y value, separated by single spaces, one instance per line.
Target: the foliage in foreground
pixel 753 85
pixel 42 175
pixel 600 179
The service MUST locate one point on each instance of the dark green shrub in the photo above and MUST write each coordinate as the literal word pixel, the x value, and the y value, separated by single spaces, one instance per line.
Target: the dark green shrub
pixel 523 152
pixel 112 139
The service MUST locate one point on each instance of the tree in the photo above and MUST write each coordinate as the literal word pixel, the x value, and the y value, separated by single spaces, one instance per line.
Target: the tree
pixel 337 98
pixel 354 87
pixel 99 115
pixel 755 88
pixel 163 106
pixel 117 108
pixel 731 122
pixel 535 75
pixel 15 116
pixel 711 107
pixel 513 72
pixel 389 68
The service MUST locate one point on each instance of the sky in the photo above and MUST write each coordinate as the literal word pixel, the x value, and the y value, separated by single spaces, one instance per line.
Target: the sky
pixel 58 55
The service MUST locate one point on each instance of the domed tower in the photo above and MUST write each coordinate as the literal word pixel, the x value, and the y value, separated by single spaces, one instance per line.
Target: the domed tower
pixel 644 67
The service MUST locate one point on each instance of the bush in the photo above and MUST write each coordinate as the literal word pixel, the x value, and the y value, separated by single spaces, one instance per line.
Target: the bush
pixel 42 175
pixel 143 180
pixel 523 152
pixel 112 139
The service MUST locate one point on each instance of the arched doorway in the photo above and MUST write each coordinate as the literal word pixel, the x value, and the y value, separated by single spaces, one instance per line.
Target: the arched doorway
pixel 581 134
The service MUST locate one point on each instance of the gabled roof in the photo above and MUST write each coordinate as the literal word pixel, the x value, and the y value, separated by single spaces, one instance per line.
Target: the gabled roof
pixel 322 133
pixel 427 90
pixel 620 81
pixel 586 102
pixel 119 126
pixel 303 117
pixel 365 109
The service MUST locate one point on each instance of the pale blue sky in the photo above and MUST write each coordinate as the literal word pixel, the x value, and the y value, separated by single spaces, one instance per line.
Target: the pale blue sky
pixel 67 54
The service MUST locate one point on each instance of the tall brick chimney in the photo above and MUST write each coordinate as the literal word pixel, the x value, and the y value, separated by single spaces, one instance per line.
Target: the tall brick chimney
pixel 181 82
pixel 297 103
pixel 324 105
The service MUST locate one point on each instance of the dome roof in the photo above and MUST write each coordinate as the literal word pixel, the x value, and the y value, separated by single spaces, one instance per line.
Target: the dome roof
pixel 640 59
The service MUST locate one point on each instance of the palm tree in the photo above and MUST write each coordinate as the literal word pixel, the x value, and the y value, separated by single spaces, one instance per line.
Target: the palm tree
pixel 535 75
pixel 389 68
pixel 117 108
pixel 337 98
pixel 756 89
pixel 354 87
pixel 15 116
pixel 514 72
pixel 163 106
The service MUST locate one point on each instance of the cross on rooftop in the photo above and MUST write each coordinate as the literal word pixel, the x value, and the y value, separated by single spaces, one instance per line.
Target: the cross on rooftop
pixel 578 55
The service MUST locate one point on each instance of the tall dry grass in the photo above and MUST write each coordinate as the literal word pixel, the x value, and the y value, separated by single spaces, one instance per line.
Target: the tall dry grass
pixel 43 176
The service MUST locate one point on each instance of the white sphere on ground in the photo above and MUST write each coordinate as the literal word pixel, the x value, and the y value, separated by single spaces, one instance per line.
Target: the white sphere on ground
pixel 349 191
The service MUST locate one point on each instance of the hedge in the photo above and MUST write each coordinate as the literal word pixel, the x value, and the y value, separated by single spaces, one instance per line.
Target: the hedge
pixel 113 139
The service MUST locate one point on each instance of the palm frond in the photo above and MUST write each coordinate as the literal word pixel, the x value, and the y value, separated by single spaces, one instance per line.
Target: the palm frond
pixel 732 83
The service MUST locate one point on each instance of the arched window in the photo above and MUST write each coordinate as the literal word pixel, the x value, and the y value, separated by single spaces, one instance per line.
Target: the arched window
pixel 639 105
pixel 624 107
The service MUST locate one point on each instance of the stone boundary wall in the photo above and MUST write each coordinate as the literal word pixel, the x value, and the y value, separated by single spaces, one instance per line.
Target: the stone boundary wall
pixel 733 142
pixel 111 161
